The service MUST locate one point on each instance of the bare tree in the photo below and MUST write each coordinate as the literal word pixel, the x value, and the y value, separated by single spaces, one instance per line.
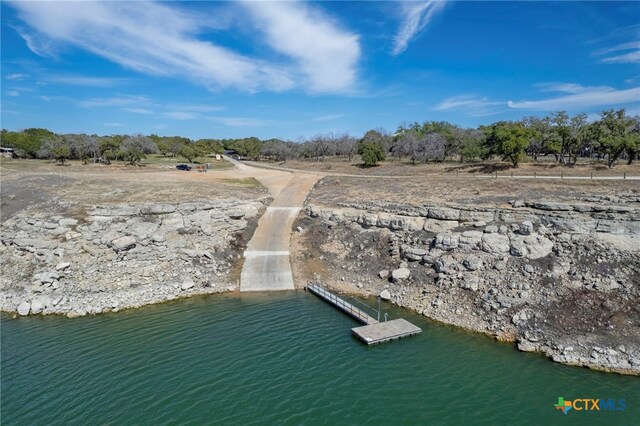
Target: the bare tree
pixel 346 146
pixel 55 147
pixel 420 148
pixel 320 146
pixel 83 147
pixel 278 150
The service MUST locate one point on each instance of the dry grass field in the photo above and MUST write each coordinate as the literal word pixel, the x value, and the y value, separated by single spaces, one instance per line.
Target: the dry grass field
pixel 24 183
pixel 396 167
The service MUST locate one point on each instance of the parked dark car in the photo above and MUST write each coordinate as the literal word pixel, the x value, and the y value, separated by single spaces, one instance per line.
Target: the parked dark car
pixel 184 167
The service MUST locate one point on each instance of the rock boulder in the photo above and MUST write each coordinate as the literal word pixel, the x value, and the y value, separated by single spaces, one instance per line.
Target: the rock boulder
pixel 400 274
pixel 24 308
pixel 123 243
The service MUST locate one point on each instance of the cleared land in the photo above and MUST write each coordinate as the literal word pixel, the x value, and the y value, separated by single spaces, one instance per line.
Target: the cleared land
pixel 339 189
pixel 396 167
pixel 29 182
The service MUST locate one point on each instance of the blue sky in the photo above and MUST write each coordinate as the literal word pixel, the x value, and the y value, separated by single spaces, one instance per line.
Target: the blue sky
pixel 295 69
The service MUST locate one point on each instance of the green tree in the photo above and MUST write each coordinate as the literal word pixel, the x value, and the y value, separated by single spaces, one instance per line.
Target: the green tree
pixel 34 139
pixel 372 148
pixel 163 144
pixel 472 147
pixel 570 136
pixel 578 139
pixel 249 147
pixel 191 152
pixel 543 137
pixel 62 153
pixel 616 134
pixel 136 148
pixel 55 147
pixel 378 137
pixel 17 140
pixel 507 139
pixel 371 153
pixel 109 147
pixel 209 146
pixel 27 142
pixel 634 147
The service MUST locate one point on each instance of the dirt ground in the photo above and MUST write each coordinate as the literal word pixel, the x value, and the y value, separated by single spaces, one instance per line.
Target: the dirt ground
pixel 396 167
pixel 24 183
pixel 337 189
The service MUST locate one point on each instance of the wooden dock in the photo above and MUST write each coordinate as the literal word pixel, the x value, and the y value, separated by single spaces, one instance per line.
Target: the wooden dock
pixel 373 332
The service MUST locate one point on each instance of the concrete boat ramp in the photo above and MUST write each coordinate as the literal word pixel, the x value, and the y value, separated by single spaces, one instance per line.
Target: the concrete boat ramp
pixel 267 265
pixel 374 331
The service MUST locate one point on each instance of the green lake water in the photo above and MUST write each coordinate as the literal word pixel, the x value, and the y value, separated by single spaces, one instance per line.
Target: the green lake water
pixel 285 358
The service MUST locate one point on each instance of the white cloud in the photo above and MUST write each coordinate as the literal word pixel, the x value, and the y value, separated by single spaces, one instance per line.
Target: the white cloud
pixel 626 58
pixel 16 76
pixel 113 124
pixel 329 117
pixel 580 97
pixel 12 93
pixel 116 101
pixel 624 46
pixel 571 88
pixel 182 115
pixel 138 104
pixel 145 111
pixel 52 98
pixel 37 43
pixel 149 37
pixel 196 107
pixel 189 111
pixel 472 105
pixel 416 17
pixel 72 80
pixel 632 55
pixel 241 121
pixel 325 54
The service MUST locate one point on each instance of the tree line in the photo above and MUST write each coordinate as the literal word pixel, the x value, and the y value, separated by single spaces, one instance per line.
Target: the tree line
pixel 44 144
pixel 614 136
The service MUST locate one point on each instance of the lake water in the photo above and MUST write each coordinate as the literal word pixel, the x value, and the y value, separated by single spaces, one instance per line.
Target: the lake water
pixel 285 358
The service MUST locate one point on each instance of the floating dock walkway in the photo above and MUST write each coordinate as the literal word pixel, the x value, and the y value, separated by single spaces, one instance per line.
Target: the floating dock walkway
pixel 373 331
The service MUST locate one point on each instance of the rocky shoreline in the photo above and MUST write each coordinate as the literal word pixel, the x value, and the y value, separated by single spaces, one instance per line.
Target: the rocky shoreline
pixel 111 257
pixel 556 278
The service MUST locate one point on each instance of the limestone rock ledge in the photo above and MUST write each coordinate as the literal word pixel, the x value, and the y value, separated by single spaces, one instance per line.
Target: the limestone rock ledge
pixel 121 256
pixel 556 278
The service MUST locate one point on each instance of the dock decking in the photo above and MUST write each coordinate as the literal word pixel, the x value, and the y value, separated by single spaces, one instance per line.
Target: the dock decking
pixel 374 331
pixel 341 304
pixel 385 331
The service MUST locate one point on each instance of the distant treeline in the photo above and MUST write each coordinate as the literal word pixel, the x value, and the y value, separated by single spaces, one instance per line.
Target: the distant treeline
pixel 612 137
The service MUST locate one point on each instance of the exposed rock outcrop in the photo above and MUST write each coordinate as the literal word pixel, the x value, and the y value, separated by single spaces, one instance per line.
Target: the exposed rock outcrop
pixel 561 279
pixel 120 256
